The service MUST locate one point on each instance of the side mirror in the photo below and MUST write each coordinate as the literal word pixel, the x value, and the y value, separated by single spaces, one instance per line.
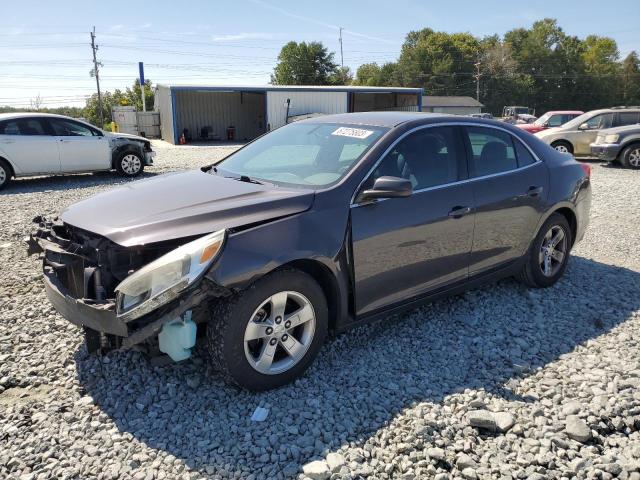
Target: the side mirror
pixel 387 187
pixel 584 126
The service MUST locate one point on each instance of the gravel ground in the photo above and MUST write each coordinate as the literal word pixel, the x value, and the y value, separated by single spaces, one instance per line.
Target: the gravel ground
pixel 501 382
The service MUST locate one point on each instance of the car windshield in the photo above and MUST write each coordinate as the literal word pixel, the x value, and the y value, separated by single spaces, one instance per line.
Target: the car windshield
pixel 302 154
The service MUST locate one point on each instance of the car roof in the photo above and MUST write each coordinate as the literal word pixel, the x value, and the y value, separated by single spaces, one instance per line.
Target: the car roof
pixel 553 112
pixel 12 115
pixel 377 119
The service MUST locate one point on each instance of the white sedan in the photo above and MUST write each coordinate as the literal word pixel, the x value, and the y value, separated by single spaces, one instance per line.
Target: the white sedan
pixel 38 143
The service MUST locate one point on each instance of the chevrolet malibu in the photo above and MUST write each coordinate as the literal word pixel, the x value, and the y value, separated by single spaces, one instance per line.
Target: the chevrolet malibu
pixel 314 228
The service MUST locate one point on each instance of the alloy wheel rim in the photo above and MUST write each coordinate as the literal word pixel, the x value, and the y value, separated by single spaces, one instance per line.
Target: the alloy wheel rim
pixel 634 157
pixel 3 175
pixel 279 332
pixel 131 164
pixel 553 251
pixel 562 148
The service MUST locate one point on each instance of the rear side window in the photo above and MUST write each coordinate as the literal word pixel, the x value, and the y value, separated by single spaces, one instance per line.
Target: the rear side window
pixel 492 151
pixel 523 154
pixel 22 126
pixel 627 118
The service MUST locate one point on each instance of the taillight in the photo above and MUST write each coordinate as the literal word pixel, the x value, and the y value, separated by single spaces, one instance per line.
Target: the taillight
pixel 587 169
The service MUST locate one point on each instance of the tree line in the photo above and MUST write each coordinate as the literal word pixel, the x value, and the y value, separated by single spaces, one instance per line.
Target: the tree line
pixel 540 67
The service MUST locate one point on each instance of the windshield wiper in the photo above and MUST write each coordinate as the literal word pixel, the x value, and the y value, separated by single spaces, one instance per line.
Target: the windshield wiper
pixel 247 179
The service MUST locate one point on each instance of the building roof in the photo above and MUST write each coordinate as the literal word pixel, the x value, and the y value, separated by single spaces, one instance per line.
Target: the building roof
pixel 449 101
pixel 300 88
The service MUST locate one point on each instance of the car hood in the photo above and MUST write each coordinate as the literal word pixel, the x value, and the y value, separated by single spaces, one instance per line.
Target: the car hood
pixel 126 136
pixel 529 127
pixel 182 204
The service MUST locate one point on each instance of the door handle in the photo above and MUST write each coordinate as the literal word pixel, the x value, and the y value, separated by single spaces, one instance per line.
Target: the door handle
pixel 458 212
pixel 534 191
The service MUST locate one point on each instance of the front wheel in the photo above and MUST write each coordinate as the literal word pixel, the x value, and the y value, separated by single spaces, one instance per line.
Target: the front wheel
pixel 630 157
pixel 129 164
pixel 549 253
pixel 269 334
pixel 563 147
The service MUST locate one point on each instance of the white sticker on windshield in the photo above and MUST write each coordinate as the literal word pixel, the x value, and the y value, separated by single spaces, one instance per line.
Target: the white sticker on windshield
pixel 352 132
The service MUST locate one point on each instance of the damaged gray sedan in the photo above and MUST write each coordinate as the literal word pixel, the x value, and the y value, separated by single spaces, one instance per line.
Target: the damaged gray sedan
pixel 317 227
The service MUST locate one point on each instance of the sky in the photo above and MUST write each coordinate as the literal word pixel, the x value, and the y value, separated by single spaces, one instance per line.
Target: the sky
pixel 45 45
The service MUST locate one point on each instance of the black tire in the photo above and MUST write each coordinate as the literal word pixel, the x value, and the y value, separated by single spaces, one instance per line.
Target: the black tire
pixel 532 273
pixel 129 163
pixel 563 144
pixel 629 158
pixel 230 318
pixel 5 174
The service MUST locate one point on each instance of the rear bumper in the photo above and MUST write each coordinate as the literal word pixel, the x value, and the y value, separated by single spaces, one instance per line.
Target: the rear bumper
pixel 605 151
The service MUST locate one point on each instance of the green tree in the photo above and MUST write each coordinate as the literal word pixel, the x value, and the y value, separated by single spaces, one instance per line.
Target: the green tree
pixel 372 74
pixel 630 72
pixel 130 97
pixel 305 64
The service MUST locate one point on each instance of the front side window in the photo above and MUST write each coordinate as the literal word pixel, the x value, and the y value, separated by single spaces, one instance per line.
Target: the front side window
pixel 68 128
pixel 428 158
pixel 302 154
pixel 9 127
pixel 556 120
pixel 599 122
pixel 492 151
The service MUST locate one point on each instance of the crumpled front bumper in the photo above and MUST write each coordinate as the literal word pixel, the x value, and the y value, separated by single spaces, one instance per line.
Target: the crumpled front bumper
pixel 605 151
pixel 66 276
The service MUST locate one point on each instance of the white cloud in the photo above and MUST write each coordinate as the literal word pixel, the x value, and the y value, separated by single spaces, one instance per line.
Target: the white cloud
pixel 242 36
pixel 320 23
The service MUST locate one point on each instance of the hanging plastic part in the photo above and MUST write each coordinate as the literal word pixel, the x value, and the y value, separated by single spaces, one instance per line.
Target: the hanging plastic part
pixel 178 337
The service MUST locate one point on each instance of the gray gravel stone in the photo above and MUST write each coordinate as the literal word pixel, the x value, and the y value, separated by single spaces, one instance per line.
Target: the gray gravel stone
pixel 577 429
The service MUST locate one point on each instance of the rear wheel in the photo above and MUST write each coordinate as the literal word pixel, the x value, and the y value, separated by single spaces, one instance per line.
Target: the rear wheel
pixel 5 173
pixel 269 334
pixel 549 253
pixel 630 157
pixel 563 146
pixel 129 164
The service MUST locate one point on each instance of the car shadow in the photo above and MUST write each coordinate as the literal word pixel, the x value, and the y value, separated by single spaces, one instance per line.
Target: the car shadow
pixel 189 412
pixel 69 182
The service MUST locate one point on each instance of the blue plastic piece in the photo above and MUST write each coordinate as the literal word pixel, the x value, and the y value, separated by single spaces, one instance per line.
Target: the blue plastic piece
pixel 178 337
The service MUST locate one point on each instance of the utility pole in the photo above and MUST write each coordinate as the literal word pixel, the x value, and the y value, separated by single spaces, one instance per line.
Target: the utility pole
pixel 95 72
pixel 341 57
pixel 477 77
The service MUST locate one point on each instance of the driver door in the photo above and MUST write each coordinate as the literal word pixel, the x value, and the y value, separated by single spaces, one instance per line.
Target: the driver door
pixel 404 247
pixel 81 148
pixel 585 137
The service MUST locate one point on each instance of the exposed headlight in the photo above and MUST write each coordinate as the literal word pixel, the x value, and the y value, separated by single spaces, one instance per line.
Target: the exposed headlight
pixel 163 279
pixel 599 139
pixel 613 138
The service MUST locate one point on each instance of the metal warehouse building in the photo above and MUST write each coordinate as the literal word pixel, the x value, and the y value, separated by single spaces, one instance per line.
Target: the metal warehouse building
pixel 450 104
pixel 210 112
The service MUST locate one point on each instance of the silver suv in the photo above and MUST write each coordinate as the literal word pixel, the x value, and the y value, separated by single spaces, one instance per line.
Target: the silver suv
pixel 577 135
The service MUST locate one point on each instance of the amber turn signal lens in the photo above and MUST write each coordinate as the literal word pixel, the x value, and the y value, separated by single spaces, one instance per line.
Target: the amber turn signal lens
pixel 210 251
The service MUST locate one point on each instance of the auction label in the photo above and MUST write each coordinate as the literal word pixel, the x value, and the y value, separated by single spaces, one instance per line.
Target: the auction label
pixel 352 132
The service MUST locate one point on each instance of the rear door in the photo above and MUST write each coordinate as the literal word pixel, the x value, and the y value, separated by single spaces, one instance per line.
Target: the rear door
pixel 404 247
pixel 509 188
pixel 26 143
pixel 81 148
